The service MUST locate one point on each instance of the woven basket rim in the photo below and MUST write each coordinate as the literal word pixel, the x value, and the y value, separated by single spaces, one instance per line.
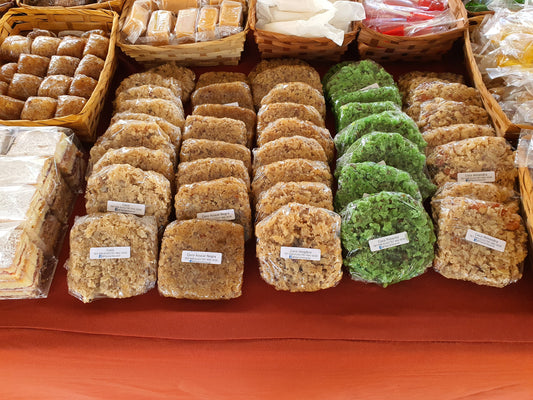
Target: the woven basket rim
pixel 110 4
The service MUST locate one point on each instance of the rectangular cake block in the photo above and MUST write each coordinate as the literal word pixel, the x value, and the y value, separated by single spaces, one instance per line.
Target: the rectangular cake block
pixel 208 169
pixel 224 93
pixel 149 190
pixel 223 199
pixel 272 112
pixel 213 128
pixel 202 259
pixel 112 255
pixel 196 149
pixel 479 241
pixel 299 248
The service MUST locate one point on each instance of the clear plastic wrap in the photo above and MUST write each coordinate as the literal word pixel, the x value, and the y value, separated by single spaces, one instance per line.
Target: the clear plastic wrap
pixel 287 127
pixel 184 77
pixel 224 93
pixel 132 133
pixel 287 148
pixel 7 71
pixel 148 92
pixel 351 112
pixel 176 5
pixel 138 157
pixel 451 133
pixel 439 112
pixel 411 80
pixel 269 63
pixel 91 66
pixel 151 78
pixel 69 105
pixel 368 95
pixel 230 18
pixel 63 65
pixel 97 45
pixel 3 88
pixel 365 178
pixel 112 256
pixel 445 90
pixel 10 108
pixel 185 28
pixel 196 149
pixel 212 77
pixel 296 92
pixel 33 65
pixel 224 199
pixel 157 107
pixel 299 249
pixel 23 86
pixel 314 194
pixel 54 86
pixel 59 143
pixel 479 241
pixel 39 108
pixel 409 17
pixel 208 169
pixel 293 170
pixel 353 76
pixel 264 81
pixel 491 157
pixel 45 46
pixel 393 149
pixel 201 260
pixel 159 28
pixel 271 112
pixel 13 46
pixel 212 128
pixel 235 112
pixel 71 46
pixel 206 27
pixel 123 183
pixel 387 121
pixel 387 238
pixel 172 131
pixel 82 86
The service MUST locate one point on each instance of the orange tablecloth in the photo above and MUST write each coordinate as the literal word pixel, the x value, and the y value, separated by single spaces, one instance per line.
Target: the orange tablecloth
pixel 429 338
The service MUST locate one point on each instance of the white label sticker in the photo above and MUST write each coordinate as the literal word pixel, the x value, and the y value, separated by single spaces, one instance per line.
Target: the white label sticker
pixel 126 208
pixel 300 253
pixel 201 257
pixel 382 162
pixel 106 253
pixel 485 240
pixel 373 86
pixel 221 215
pixel 235 104
pixel 387 242
pixel 486 176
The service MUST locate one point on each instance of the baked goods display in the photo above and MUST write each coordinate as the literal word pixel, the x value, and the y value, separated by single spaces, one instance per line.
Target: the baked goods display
pixel 164 22
pixel 38 70
pixel 42 171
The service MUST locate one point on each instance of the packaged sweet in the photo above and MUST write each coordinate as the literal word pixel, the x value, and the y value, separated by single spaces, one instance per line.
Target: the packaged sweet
pixel 69 105
pixel 54 86
pixel 197 149
pixel 365 178
pixel 184 77
pixel 202 260
pixel 388 238
pixel 71 46
pixel 411 80
pixel 185 28
pixel 82 86
pixel 272 112
pixel 7 71
pixel 23 86
pixel 97 45
pixel 147 92
pixel 230 18
pixel 13 46
pixel 112 255
pixel 370 95
pixel 91 66
pixel 10 108
pixel 212 77
pixel 224 199
pixel 38 108
pixel 298 247
pixel 33 64
pixel 176 5
pixel 159 27
pixel 269 63
pixel 451 133
pixel 351 112
pixel 206 24
pixel 212 128
pixel 137 21
pixel 296 92
pixel 165 109
pixel 208 169
pixel 224 93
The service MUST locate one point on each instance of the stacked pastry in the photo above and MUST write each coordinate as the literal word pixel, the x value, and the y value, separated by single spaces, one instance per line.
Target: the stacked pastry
pixel 45 75
pixel 42 170
pixel 481 237
pixel 202 254
pixel 298 243
pixel 130 187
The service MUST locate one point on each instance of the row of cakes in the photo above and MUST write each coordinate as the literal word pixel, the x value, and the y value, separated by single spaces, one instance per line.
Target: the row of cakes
pixel 47 74
pixel 42 171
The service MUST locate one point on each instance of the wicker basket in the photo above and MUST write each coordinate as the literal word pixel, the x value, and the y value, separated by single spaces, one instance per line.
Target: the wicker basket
pixel 503 125
pixel 19 20
pixel 272 44
pixel 113 5
pixel 383 48
pixel 226 51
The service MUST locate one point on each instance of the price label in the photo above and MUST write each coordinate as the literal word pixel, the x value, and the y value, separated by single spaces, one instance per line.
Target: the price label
pixel 106 253
pixel 485 240
pixel 221 215
pixel 386 242
pixel 300 253
pixel 126 208
pixel 483 177
pixel 373 86
pixel 201 257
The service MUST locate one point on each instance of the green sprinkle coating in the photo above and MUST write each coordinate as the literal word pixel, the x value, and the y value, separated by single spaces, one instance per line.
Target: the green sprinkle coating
pixel 394 150
pixel 385 93
pixel 380 215
pixel 356 180
pixel 333 70
pixel 387 121
pixel 351 112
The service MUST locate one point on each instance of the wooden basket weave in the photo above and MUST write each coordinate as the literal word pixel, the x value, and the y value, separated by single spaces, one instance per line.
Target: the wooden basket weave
pixel 18 20
pixel 113 5
pixel 383 48
pixel 226 51
pixel 503 125
pixel 272 44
